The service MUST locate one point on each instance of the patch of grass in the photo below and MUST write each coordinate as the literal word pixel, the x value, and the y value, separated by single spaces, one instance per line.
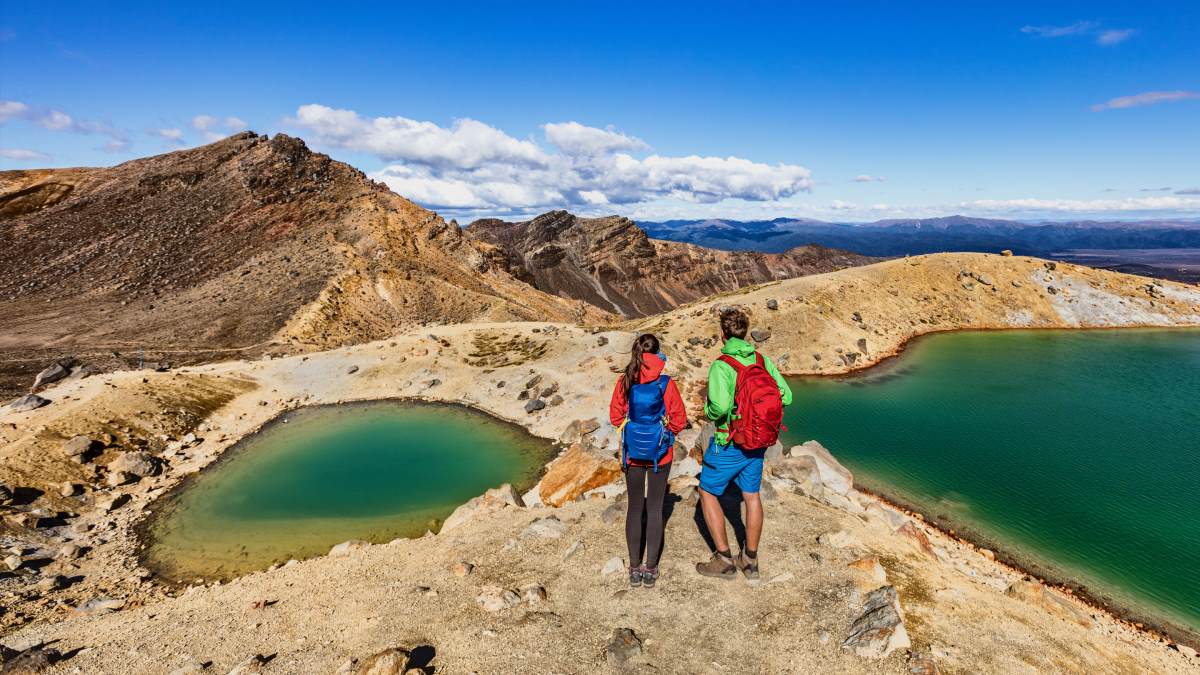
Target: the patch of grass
pixel 491 350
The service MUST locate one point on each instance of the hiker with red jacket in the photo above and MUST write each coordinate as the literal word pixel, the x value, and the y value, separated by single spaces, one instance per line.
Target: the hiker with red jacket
pixel 746 396
pixel 648 409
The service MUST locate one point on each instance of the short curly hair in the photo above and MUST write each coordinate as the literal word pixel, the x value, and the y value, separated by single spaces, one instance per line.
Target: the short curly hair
pixel 734 323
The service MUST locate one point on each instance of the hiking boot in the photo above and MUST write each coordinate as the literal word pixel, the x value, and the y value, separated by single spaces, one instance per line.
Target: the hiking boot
pixel 635 576
pixel 719 566
pixel 649 576
pixel 748 565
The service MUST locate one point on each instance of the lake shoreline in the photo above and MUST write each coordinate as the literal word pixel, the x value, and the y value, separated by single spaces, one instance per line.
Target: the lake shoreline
pixel 1146 621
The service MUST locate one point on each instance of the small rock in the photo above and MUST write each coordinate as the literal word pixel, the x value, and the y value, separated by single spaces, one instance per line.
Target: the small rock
pixel 13 562
pixel 192 668
pixel 614 565
pixel 760 335
pixel 922 663
pixel 352 370
pixel 140 464
pixel 838 539
pixel 534 405
pixel 27 403
pixel 254 664
pixel 1186 651
pixel 1007 253
pixel 612 513
pixel 772 304
pixel 495 599
pixel 78 445
pixel 35 659
pixel 601 341
pixel 548 528
pixel 1052 290
pixel 70 489
pixel 573 549
pixel 69 552
pixel 875 574
pixel 347 547
pixel 112 502
pixel 100 605
pixel 622 646
pixel 462 568
pixel 557 399
pixel 6 495
pixel 823 637
pixel 52 373
pixel 533 593
pixel 119 478
pixel 391 661
pixel 52 583
pixel 879 630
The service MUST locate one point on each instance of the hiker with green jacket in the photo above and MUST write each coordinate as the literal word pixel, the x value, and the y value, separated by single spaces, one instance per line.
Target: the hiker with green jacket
pixel 746 396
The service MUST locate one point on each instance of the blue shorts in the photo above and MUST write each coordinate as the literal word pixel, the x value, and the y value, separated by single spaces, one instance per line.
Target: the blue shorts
pixel 724 463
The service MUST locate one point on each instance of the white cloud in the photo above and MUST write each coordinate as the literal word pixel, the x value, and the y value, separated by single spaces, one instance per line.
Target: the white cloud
pixel 1126 205
pixel 1077 28
pixel 574 138
pixel 465 145
pixel 839 205
pixel 1104 36
pixel 1146 98
pixel 57 120
pixel 22 155
pixel 209 126
pixel 867 178
pixel 1114 36
pixel 474 166
pixel 1188 191
pixel 172 136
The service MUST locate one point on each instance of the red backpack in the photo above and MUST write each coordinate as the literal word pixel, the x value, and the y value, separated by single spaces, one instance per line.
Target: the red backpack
pixel 758 406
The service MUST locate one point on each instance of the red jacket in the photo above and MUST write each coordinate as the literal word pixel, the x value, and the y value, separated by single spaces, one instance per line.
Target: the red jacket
pixel 652 367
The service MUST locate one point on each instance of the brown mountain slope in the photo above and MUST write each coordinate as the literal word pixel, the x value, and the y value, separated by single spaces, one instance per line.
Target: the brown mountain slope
pixel 230 247
pixel 611 263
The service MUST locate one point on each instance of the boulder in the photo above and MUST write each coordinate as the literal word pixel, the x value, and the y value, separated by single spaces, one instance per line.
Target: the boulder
pixel 140 464
pixel 13 562
pixel 347 547
pixel 391 661
pixel 834 477
pixel 534 405
pixel 575 472
pixel 688 466
pixel 545 528
pixel 914 534
pixel 577 430
pixel 6 495
pixel 622 646
pixel 799 473
pixel 873 575
pixel 52 373
pixel 78 445
pixel 27 403
pixel 492 500
pixel 119 478
pixel 110 503
pixel 1038 595
pixel 879 630
pixel 495 599
pixel 774 453
pixel 35 659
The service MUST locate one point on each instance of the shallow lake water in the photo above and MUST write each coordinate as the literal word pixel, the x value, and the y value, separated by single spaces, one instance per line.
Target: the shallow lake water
pixel 319 476
pixel 1077 451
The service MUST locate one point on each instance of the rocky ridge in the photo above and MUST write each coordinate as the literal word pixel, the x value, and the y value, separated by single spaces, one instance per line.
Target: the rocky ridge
pixel 610 262
pixel 76 577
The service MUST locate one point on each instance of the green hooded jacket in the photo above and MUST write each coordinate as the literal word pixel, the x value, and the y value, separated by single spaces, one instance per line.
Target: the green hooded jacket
pixel 722 381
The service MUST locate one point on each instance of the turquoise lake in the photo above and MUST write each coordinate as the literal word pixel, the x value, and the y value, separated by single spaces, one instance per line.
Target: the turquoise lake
pixel 1076 452
pixel 374 471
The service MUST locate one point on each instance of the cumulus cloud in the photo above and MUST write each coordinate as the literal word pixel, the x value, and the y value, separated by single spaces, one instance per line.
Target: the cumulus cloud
pixel 23 155
pixel 171 136
pixel 57 120
pixel 574 138
pixel 1146 98
pixel 867 178
pixel 213 129
pixel 471 165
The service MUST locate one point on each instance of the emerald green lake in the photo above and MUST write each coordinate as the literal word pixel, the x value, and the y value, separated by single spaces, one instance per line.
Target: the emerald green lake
pixel 318 476
pixel 1076 452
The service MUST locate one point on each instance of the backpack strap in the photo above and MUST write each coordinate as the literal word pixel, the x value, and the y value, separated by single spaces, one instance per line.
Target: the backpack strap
pixel 662 384
pixel 737 367
pixel 760 360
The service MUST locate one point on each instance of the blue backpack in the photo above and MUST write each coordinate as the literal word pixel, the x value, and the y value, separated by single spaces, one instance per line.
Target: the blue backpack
pixel 645 436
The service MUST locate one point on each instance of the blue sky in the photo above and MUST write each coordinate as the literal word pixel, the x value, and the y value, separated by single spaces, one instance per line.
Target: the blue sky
pixel 1023 110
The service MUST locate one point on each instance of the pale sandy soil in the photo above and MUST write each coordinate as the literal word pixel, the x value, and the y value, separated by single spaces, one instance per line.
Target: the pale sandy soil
pixel 332 609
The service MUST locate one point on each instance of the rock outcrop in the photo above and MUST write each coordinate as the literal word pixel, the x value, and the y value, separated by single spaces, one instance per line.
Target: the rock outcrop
pixel 612 264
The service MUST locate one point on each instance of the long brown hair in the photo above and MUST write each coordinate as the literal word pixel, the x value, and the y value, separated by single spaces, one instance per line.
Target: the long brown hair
pixel 645 343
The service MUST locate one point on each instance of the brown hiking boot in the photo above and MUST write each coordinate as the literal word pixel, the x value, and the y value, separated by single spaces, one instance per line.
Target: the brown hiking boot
pixel 719 566
pixel 748 565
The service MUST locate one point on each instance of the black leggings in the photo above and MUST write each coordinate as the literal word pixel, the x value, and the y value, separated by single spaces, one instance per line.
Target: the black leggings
pixel 646 492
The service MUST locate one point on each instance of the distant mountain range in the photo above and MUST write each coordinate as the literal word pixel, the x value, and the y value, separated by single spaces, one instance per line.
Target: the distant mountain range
pixel 930 235
pixel 611 263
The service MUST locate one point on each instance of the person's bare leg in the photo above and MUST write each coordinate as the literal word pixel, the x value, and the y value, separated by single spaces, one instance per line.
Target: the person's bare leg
pixel 714 518
pixel 747 559
pixel 754 519
pixel 721 565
